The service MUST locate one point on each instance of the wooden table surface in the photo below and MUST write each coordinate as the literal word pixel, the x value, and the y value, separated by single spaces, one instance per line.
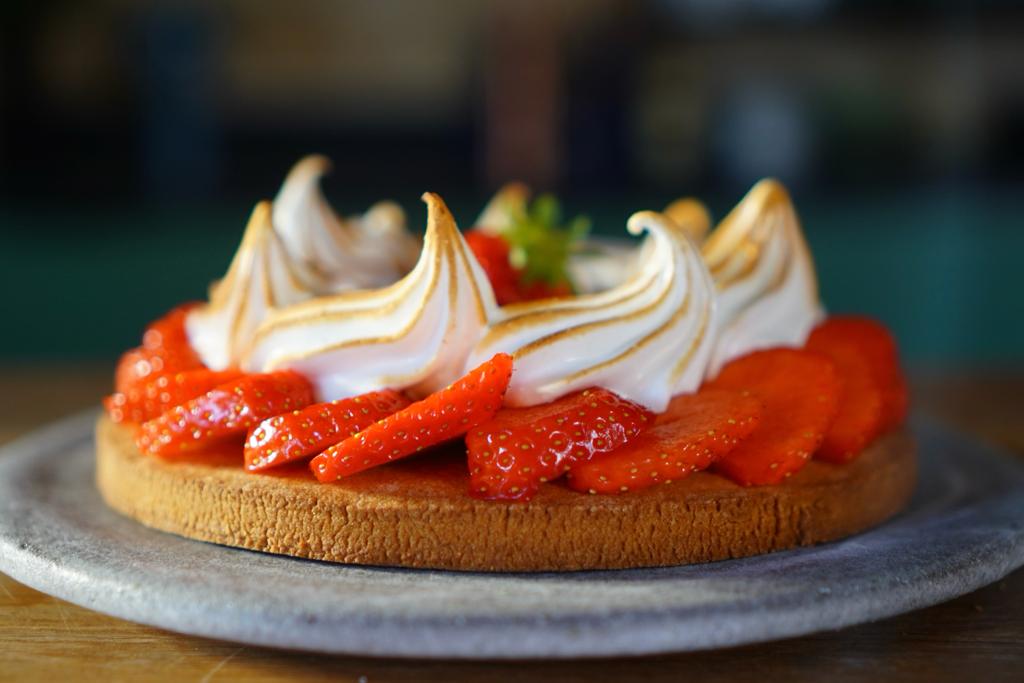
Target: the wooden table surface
pixel 977 637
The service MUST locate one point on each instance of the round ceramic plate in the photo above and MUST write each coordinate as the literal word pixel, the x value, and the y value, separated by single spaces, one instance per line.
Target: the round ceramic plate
pixel 964 529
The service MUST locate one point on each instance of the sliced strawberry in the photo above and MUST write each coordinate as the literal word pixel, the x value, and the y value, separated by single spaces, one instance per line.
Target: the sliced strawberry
pixel 492 252
pixel 165 348
pixel 136 366
pixel 896 402
pixel 800 393
pixel 696 430
pixel 443 415
pixel 168 333
pixel 228 410
pixel 876 343
pixel 511 455
pixel 859 419
pixel 302 433
pixel 139 365
pixel 146 399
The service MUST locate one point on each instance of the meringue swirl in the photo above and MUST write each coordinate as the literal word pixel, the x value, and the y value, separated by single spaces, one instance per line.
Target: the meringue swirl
pixel 647 339
pixel 368 251
pixel 296 249
pixel 311 292
pixel 690 215
pixel 262 276
pixel 414 334
pixel 764 274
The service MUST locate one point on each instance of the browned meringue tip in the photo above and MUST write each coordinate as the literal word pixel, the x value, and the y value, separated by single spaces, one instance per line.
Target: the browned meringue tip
pixel 691 216
pixel 313 164
pixel 766 195
pixel 514 190
pixel 260 224
pixel 639 222
pixel 436 208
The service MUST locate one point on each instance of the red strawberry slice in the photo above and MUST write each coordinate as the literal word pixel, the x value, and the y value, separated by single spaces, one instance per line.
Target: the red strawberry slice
pixel 877 345
pixel 443 415
pixel 511 455
pixel 800 393
pixel 140 365
pixel 136 366
pixel 696 430
pixel 859 419
pixel 165 348
pixel 228 410
pixel 896 402
pixel 168 333
pixel 147 399
pixel 492 252
pixel 302 433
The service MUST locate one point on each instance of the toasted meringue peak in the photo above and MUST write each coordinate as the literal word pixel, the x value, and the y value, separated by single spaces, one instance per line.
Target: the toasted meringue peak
pixel 414 334
pixel 262 276
pixel 764 274
pixel 692 216
pixel 646 339
pixel 366 251
pixel 664 315
pixel 509 201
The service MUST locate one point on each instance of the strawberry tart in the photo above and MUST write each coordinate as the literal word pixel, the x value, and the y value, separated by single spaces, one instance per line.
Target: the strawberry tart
pixel 517 397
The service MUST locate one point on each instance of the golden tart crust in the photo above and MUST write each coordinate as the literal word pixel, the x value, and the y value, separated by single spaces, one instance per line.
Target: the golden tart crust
pixel 416 513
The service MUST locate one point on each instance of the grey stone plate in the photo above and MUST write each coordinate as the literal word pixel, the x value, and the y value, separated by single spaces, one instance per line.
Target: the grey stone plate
pixel 965 528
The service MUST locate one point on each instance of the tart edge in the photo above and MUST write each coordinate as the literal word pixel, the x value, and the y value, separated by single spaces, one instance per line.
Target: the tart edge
pixel 412 516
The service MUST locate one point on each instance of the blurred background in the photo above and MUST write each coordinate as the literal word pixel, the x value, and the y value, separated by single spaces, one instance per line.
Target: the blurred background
pixel 135 138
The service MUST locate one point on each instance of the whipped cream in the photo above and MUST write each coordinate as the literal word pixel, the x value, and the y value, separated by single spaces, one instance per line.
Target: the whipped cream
pixel 415 334
pixel 647 339
pixel 764 274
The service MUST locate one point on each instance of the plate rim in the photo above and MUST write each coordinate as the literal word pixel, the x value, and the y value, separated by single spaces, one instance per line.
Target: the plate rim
pixel 660 630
